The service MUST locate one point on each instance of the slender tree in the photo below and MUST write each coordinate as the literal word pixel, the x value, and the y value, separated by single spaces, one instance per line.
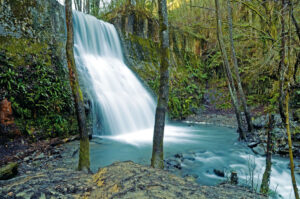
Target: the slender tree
pixel 282 63
pixel 84 152
pixel 228 73
pixel 264 188
pixel 236 69
pixel 287 125
pixel 78 5
pixel 298 34
pixel 87 6
pixel 157 160
pixel 282 69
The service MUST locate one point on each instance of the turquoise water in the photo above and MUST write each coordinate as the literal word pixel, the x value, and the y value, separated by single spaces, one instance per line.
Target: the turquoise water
pixel 122 112
pixel 207 147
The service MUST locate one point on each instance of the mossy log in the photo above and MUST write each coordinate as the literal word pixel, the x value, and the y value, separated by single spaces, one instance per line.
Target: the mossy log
pixel 8 171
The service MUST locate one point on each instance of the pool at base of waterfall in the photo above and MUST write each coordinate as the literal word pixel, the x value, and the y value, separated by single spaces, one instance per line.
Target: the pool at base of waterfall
pixel 203 151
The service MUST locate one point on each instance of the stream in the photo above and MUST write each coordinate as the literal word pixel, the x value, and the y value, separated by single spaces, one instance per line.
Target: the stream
pixel 204 148
pixel 122 112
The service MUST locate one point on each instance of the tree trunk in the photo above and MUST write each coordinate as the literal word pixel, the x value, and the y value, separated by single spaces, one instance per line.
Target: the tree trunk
pixel 78 5
pixel 84 154
pixel 236 70
pixel 296 66
pixel 298 34
pixel 287 125
pixel 264 188
pixel 87 6
pixel 157 160
pixel 228 73
pixel 282 67
pixel 296 24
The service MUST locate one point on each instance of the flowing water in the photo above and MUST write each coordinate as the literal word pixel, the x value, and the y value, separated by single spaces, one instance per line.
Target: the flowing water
pixel 123 118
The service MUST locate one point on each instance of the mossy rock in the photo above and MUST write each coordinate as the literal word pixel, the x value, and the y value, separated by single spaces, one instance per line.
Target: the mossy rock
pixel 9 171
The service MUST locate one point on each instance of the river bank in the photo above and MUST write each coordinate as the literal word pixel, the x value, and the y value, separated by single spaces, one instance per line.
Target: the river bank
pixel 257 140
pixel 46 175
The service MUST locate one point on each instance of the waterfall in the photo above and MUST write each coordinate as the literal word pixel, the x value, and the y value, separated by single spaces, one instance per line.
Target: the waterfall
pixel 120 103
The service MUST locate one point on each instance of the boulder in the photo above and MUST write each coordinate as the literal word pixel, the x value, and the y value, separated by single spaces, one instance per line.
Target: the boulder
pixel 253 144
pixel 8 171
pixel 189 157
pixel 219 173
pixel 259 149
pixel 260 122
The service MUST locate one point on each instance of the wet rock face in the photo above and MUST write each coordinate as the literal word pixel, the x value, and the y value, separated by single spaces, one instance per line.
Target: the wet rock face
pixel 279 136
pixel 40 19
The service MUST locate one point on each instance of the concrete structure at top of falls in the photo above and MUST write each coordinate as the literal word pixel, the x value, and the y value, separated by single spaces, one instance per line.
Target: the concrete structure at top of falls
pixel 119 100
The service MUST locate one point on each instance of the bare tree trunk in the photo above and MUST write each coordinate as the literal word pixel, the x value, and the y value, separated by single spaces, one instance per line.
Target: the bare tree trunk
pixel 296 24
pixel 287 125
pixel 157 160
pixel 228 73
pixel 282 68
pixel 298 34
pixel 78 5
pixel 236 70
pixel 264 188
pixel 296 66
pixel 84 152
pixel 87 6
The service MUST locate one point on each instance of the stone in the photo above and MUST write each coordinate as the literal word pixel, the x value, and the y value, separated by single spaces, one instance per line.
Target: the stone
pixel 26 159
pixel 219 173
pixel 234 178
pixel 174 163
pixel 279 132
pixel 260 122
pixel 178 155
pixel 188 157
pixel 253 144
pixel 278 120
pixel 40 156
pixel 10 194
pixel 259 149
pixel 9 171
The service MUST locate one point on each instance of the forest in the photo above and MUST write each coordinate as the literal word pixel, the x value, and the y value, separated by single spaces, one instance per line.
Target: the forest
pixel 149 99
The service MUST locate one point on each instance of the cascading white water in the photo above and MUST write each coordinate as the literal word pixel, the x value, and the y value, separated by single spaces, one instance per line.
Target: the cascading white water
pixel 119 100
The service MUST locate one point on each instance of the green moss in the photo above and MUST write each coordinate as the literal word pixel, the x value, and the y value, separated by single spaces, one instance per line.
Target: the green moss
pixel 15 50
pixel 187 75
pixel 18 7
pixel 37 87
pixel 84 154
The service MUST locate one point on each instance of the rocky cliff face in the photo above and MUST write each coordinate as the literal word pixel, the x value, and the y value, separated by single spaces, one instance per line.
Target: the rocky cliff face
pixel 33 73
pixel 40 20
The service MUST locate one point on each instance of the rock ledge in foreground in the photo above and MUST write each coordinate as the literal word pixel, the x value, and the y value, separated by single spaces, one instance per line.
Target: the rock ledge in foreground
pixel 130 180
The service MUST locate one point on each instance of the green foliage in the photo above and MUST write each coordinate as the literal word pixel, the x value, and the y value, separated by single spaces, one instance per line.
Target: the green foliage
pixel 39 90
pixel 187 77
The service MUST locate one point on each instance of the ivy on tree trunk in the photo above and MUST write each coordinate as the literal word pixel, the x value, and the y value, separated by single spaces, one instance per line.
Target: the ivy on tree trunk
pixel 157 160
pixel 84 152
pixel 236 70
pixel 231 86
